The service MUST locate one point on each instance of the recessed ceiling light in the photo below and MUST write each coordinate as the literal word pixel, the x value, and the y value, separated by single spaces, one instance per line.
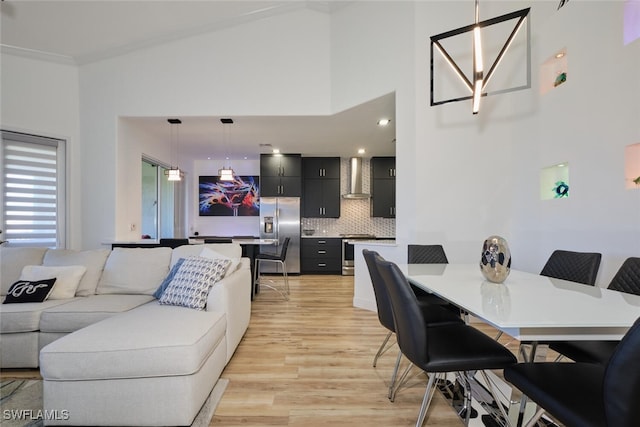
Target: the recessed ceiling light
pixel 276 151
pixel 361 151
pixel 383 122
pixel 559 55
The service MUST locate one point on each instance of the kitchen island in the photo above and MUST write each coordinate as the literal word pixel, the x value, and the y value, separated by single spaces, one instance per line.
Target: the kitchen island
pixel 363 296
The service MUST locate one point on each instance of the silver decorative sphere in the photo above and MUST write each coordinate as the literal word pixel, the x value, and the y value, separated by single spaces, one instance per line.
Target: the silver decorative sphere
pixel 495 261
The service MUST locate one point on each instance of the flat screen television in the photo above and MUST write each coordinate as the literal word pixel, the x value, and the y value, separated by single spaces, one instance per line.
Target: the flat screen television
pixel 240 197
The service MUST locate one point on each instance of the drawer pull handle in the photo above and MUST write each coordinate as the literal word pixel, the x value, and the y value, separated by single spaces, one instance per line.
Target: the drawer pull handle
pixel 322 252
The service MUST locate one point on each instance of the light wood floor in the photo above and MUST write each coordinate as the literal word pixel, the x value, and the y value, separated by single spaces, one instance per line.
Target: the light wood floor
pixel 308 362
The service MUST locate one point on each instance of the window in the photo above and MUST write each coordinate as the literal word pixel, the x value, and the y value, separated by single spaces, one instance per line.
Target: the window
pixel 160 202
pixel 33 171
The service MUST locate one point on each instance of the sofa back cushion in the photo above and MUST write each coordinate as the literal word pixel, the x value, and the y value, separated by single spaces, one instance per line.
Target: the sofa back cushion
pixel 230 250
pixel 13 260
pixel 92 260
pixel 134 271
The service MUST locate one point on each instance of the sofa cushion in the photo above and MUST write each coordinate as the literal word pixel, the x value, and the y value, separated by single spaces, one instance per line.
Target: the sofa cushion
pixel 231 250
pixel 24 291
pixel 134 271
pixel 193 280
pixel 86 311
pixel 92 260
pixel 12 260
pixel 152 340
pixel 25 317
pixel 67 278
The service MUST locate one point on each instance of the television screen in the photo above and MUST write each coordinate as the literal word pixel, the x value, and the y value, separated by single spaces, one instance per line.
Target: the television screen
pixel 240 197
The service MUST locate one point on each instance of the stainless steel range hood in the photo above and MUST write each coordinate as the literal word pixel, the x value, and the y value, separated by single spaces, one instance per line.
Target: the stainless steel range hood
pixel 355 180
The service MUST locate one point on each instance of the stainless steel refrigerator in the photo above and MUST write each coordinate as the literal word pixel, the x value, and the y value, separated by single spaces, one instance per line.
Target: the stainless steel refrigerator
pixel 280 218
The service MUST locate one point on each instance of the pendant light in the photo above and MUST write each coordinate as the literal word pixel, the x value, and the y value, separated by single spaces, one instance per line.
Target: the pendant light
pixel 226 173
pixel 174 173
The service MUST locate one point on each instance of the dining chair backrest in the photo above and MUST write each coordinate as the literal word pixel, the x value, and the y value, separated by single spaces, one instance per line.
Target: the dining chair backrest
pixel 627 279
pixel 218 240
pixel 173 243
pixel 580 267
pixel 407 315
pixel 383 303
pixel 283 250
pixel 622 381
pixel 426 254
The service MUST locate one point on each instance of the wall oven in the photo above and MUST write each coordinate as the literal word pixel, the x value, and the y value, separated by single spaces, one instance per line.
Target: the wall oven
pixel 348 255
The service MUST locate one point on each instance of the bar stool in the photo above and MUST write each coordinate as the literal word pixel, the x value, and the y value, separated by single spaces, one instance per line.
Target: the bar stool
pixel 279 259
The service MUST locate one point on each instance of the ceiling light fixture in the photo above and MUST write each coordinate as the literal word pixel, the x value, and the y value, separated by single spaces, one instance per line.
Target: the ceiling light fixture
pixel 478 66
pixel 226 173
pixel 478 83
pixel 384 122
pixel 174 173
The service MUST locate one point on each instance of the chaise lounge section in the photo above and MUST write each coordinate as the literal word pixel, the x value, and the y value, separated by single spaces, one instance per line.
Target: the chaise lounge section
pixel 116 356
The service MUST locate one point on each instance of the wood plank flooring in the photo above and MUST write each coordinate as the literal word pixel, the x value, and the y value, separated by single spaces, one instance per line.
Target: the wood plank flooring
pixel 308 362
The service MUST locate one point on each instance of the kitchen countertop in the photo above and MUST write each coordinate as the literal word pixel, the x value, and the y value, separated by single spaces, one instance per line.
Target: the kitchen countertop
pixel 327 236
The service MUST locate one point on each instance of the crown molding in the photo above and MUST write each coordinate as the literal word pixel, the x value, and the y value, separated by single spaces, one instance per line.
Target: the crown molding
pixel 37 54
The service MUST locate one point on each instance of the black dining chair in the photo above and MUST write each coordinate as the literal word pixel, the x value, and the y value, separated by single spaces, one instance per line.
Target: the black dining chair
pixel 580 267
pixel 627 280
pixel 428 254
pixel 458 348
pixel 585 394
pixel 173 243
pixel 218 240
pixel 432 315
pixel 279 258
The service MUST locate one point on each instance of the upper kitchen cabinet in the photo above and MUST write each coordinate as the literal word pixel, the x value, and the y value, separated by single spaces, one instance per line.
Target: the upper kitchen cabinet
pixel 280 175
pixel 383 187
pixel 321 187
pixel 321 167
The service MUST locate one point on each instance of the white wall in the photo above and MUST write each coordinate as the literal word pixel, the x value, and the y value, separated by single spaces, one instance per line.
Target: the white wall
pixel 216 225
pixel 460 177
pixel 277 65
pixel 40 97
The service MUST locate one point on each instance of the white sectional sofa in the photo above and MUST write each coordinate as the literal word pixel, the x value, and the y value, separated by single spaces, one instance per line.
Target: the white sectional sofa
pixel 112 354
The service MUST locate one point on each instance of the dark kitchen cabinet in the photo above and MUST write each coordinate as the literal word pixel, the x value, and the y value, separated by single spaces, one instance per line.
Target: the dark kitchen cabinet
pixel 321 187
pixel 321 167
pixel 280 175
pixel 383 187
pixel 320 255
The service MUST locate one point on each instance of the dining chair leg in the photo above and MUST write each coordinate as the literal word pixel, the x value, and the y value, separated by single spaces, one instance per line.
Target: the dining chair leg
pixel 398 382
pixel 286 280
pixel 380 350
pixel 394 376
pixel 426 400
pixel 256 274
pixel 494 395
pixel 533 421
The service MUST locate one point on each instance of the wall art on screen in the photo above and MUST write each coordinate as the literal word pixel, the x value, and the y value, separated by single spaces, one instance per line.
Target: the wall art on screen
pixel 240 197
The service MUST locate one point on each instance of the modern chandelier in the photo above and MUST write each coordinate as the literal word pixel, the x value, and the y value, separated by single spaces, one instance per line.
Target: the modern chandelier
pixel 478 83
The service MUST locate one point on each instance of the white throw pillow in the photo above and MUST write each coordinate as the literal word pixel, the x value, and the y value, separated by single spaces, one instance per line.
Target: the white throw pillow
pixel 211 254
pixel 67 278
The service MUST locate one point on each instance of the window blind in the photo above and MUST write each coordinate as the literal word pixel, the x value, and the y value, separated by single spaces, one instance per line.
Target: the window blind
pixel 31 190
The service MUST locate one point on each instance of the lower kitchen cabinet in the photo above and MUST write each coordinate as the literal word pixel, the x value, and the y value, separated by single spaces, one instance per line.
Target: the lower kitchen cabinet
pixel 321 255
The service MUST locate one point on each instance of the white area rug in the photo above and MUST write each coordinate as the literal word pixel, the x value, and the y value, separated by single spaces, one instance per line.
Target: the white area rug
pixel 21 403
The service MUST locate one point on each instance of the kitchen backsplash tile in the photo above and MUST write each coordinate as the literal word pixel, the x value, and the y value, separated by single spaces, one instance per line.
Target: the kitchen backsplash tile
pixel 355 214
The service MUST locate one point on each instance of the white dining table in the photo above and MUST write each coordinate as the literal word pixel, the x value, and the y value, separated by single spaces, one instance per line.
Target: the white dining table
pixel 530 307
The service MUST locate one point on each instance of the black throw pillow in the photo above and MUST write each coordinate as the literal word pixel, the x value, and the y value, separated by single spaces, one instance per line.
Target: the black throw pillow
pixel 25 291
